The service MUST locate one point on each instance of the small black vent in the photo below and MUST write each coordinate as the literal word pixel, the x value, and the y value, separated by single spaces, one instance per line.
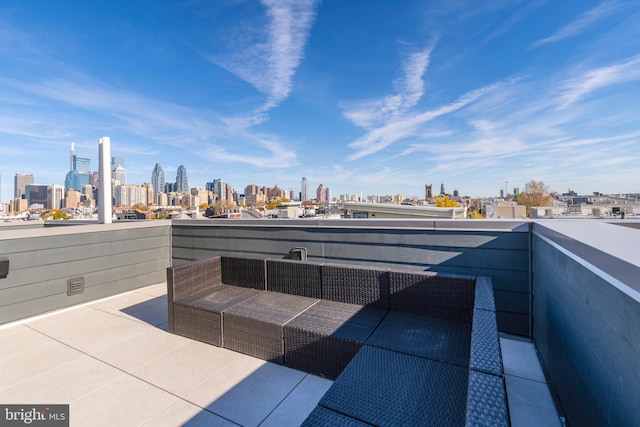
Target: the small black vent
pixel 75 286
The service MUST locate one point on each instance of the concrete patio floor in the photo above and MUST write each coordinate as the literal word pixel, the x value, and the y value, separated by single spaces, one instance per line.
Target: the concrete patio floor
pixel 114 363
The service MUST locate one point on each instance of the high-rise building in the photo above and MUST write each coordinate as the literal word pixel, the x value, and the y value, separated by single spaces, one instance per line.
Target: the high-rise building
pixel 182 183
pixel 304 193
pixel 118 172
pixel 19 183
pixel 219 189
pixel 327 192
pixel 157 179
pixel 320 193
pixel 55 196
pixel 80 173
pixel 36 194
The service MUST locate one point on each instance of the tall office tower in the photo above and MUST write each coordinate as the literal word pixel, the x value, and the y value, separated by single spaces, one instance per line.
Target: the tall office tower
pixel 115 161
pixel 442 192
pixel 118 172
pixel 157 179
pixel 19 183
pixel 36 194
pixel 304 193
pixel 150 196
pixel 327 194
pixel 219 190
pixel 320 194
pixel 182 183
pixel 80 172
pixel 55 196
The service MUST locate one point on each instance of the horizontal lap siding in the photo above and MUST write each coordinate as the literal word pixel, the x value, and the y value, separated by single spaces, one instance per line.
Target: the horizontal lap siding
pixel 111 262
pixel 502 255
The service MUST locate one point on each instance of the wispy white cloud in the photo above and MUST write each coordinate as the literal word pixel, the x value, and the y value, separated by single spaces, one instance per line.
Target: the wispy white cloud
pixel 582 22
pixel 270 65
pixel 150 119
pixel 408 125
pixel 578 87
pixel 409 90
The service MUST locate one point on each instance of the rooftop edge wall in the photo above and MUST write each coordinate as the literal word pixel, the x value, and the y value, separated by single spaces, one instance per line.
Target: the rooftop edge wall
pixel 586 314
pixel 111 258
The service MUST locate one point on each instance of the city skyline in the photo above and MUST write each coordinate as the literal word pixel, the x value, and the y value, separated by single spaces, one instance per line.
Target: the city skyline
pixel 363 98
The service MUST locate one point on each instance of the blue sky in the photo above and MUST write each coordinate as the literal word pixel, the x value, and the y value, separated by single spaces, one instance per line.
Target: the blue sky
pixel 373 96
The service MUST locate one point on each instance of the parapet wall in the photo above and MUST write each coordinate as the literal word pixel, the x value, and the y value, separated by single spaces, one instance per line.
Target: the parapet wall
pixel 586 316
pixel 111 258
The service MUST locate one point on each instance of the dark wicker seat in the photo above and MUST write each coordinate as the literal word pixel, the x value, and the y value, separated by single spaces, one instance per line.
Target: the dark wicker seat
pixel 323 339
pixel 387 388
pixel 198 296
pixel 256 326
pixel 429 337
pixel 199 317
pixel 294 278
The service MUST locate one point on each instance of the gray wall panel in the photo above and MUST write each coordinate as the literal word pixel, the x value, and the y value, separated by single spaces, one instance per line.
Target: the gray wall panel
pixel 112 258
pixel 587 331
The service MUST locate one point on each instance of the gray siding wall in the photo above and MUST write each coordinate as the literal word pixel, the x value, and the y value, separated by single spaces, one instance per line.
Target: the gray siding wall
pixel 112 258
pixel 587 324
pixel 499 249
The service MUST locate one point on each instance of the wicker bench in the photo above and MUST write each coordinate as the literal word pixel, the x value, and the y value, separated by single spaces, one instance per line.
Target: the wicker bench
pixel 407 348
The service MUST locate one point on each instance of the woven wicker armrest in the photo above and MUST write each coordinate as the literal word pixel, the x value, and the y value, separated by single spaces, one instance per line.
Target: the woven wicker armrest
pixel 484 294
pixel 485 353
pixel 486 401
pixel 434 295
pixel 356 285
pixel 193 278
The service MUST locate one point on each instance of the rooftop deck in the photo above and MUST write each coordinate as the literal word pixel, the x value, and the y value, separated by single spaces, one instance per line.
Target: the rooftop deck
pixel 114 363
pixel 567 293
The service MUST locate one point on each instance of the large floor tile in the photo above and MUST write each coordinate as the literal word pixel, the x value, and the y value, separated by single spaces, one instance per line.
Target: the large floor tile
pixel 63 384
pixel 185 368
pixel 70 322
pixel 247 398
pixel 103 335
pixel 34 361
pixel 115 305
pixel 186 414
pixel 520 359
pixel 152 312
pixel 18 339
pixel 299 403
pixel 156 290
pixel 127 401
pixel 530 403
pixel 140 349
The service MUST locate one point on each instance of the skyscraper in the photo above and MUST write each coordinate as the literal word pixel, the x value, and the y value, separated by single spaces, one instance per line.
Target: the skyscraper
pixel 320 193
pixel 157 179
pixel 118 172
pixel 19 183
pixel 182 183
pixel 36 194
pixel 304 192
pixel 55 196
pixel 79 173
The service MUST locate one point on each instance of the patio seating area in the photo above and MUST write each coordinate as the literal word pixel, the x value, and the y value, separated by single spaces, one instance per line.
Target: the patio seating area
pixel 433 337
pixel 114 363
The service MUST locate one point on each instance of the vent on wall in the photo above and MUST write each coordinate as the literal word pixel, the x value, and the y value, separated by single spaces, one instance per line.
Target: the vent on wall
pixel 75 286
pixel 4 267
